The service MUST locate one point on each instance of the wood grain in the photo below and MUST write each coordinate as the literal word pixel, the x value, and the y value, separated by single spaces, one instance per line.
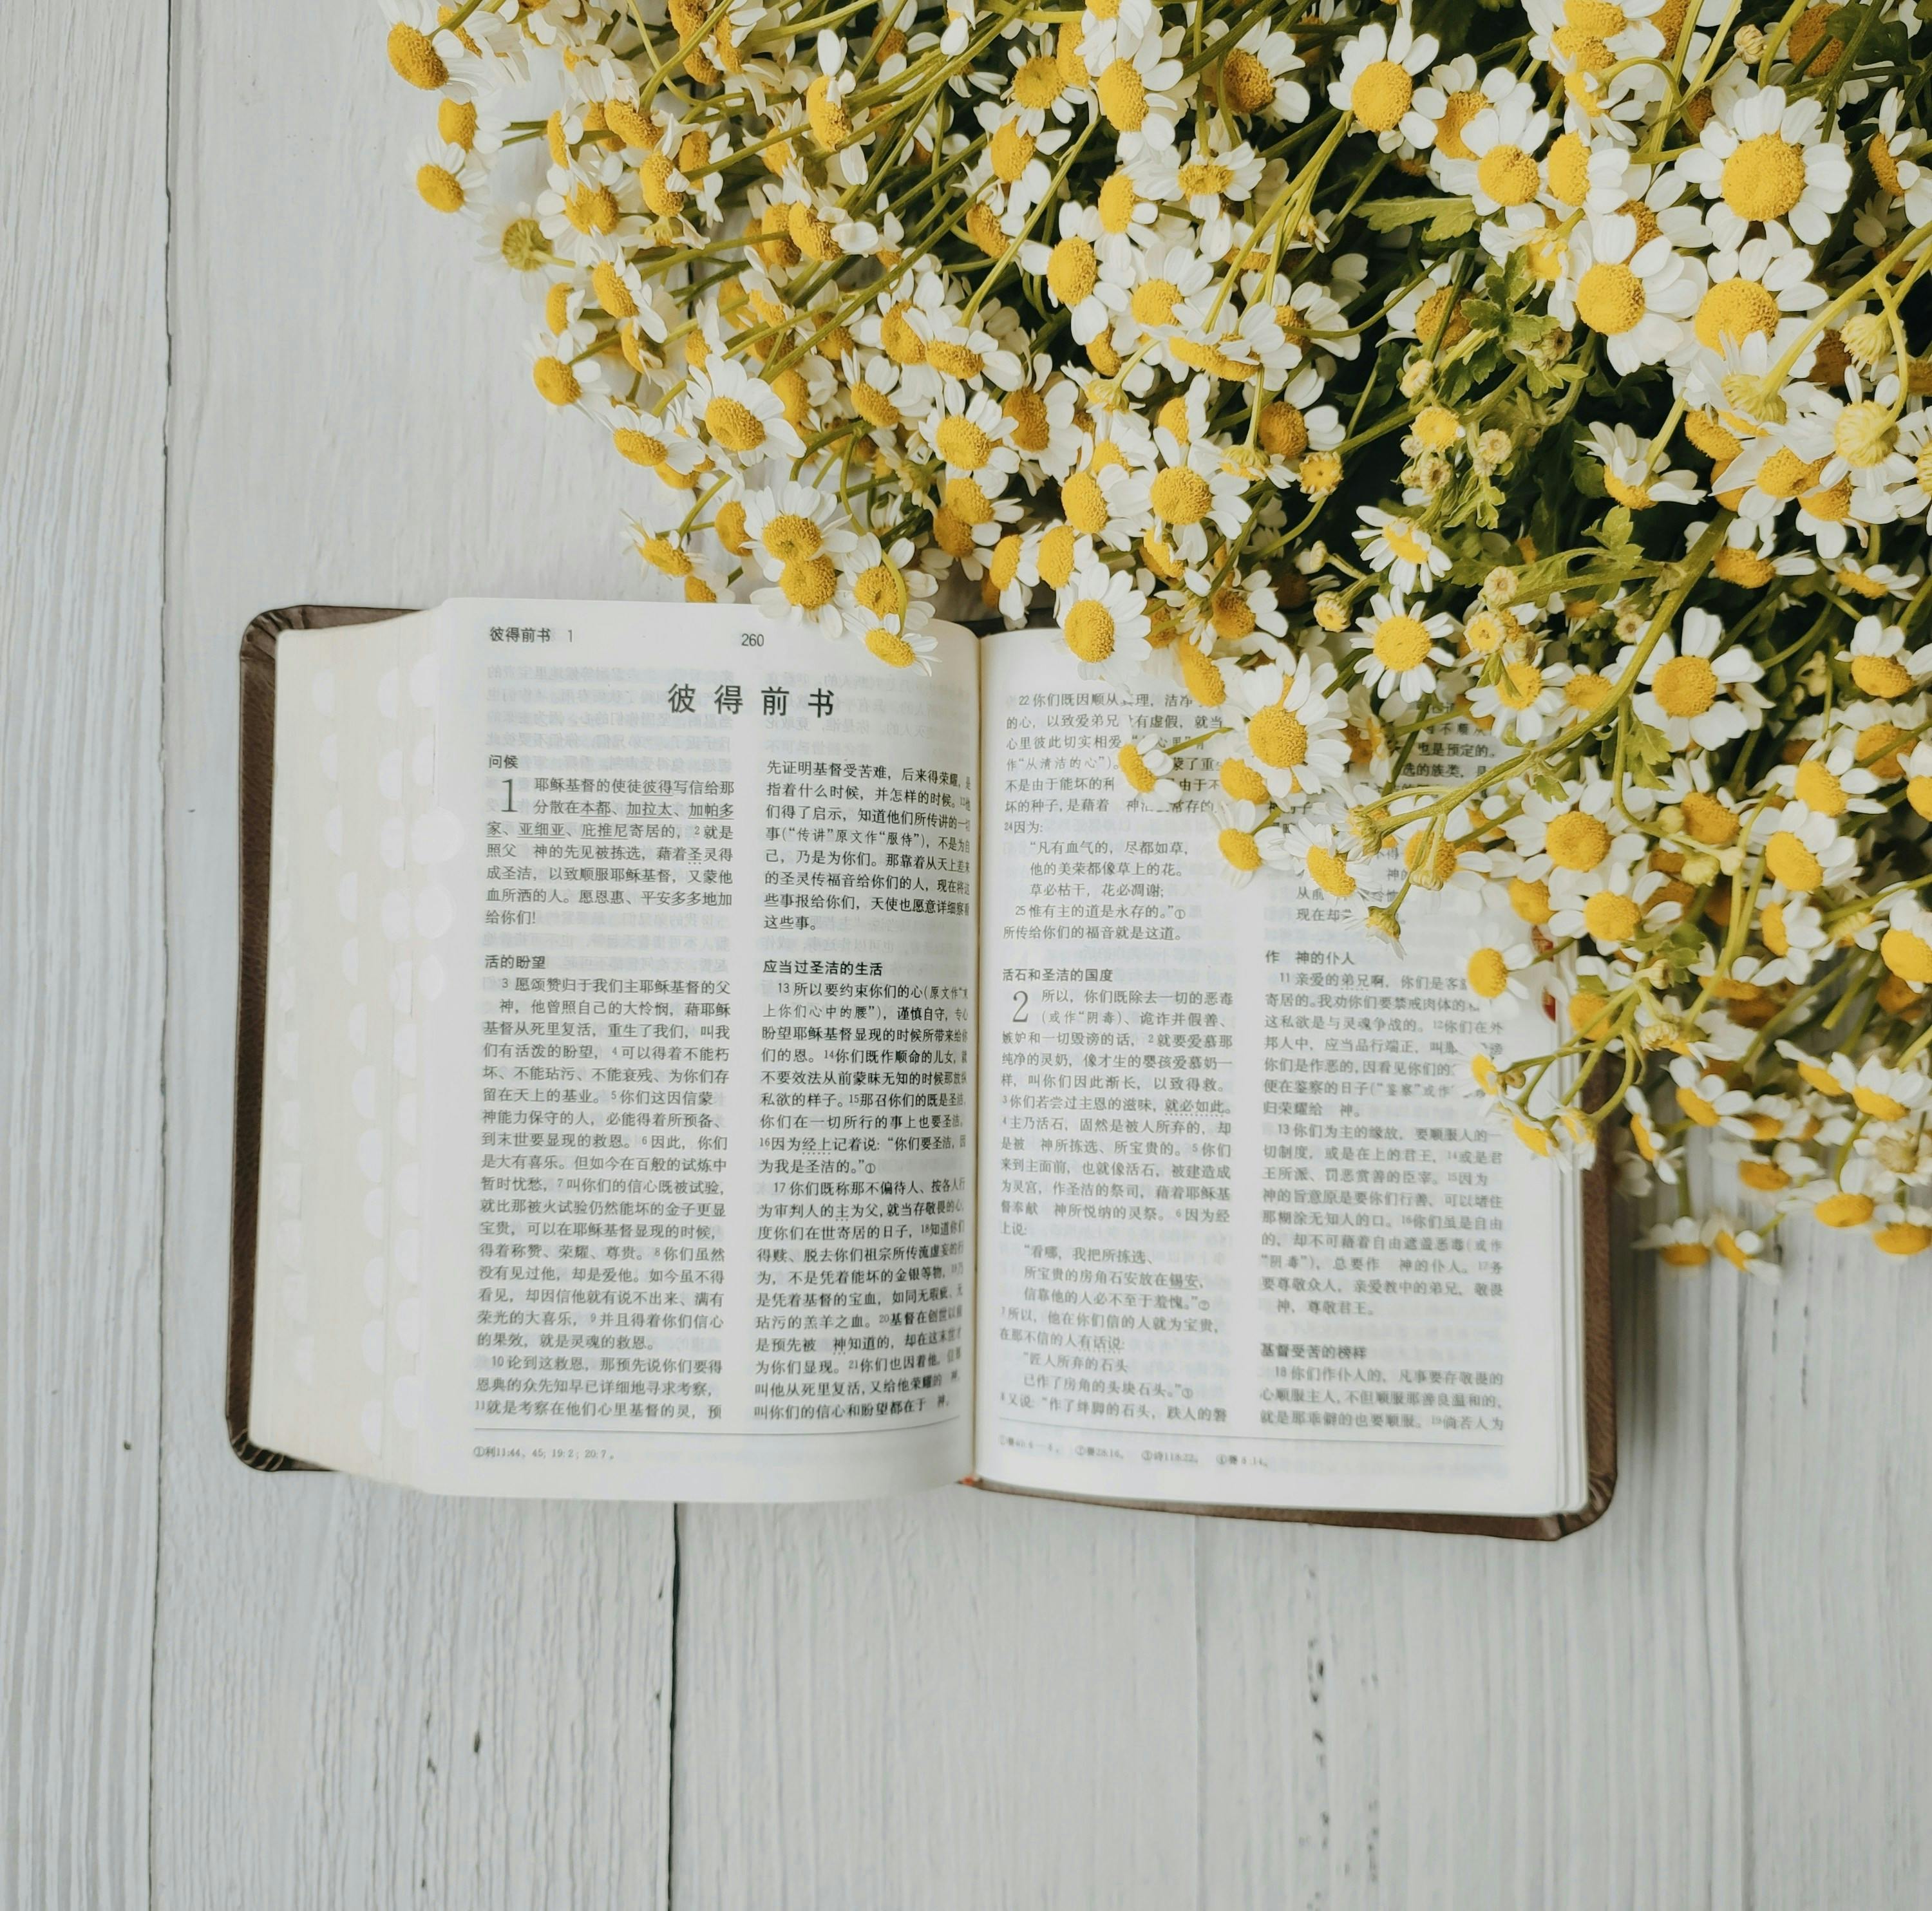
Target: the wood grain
pixel 83 369
pixel 956 1698
pixel 346 426
pixel 1390 1721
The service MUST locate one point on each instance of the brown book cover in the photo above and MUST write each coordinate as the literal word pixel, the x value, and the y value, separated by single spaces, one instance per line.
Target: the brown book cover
pixel 256 807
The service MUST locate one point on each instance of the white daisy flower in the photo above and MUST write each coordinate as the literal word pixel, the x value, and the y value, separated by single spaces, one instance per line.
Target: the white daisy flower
pixel 567 379
pixel 1398 650
pixel 1501 172
pixel 1761 158
pixel 1636 294
pixel 741 419
pixel 449 177
pixel 1683 1245
pixel 1318 853
pixel 1291 727
pixel 1377 80
pixel 1695 688
pixel 1400 547
pixel 1494 959
pixel 1613 904
pixel 1628 476
pixel 1253 74
pixel 1744 1248
pixel 901 639
pixel 1524 701
pixel 1103 620
pixel 1708 1100
pixel 1147 770
pixel 1243 845
pixel 1803 850
pixel 1090 282
pixel 1141 89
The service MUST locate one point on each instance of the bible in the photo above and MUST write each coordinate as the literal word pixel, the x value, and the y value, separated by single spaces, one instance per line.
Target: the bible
pixel 679 1058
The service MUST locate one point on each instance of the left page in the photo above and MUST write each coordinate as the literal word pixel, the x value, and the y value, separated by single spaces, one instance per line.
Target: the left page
pixel 697 1062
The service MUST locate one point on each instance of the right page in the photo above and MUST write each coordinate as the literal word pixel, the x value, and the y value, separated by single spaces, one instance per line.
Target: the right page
pixel 1244 1239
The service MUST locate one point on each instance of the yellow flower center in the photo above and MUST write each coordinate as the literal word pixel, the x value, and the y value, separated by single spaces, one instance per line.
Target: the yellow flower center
pixel 1611 917
pixel 1231 614
pixel 1278 737
pixel 591 209
pixel 1766 1177
pixel 1609 298
pixel 1457 112
pixel 1520 686
pixel 1056 551
pixel 1084 502
pixel 653 182
pixel 1133 767
pixel 1794 865
pixel 640 447
pixel 1709 820
pixel 1009 152
pixel 875 408
pixel 440 188
pixel 1880 1107
pixel 1401 643
pixel 889 647
pixel 1328 871
pixel 1843 1210
pixel 612 292
pixel 1635 496
pixel 962 444
pixel 1907 954
pixel 1488 973
pixel 1247 86
pixel 1432 858
pixel 1736 565
pixel 555 381
pixel 1202 178
pixel 1438 426
pixel 734 424
pixel 1003 567
pixel 1116 202
pixel 809 581
pixel 1530 900
pixel 1239 847
pixel 825 112
pixel 1684 1254
pixel 1242 781
pixel 1072 271
pixel 415 58
pixel 1409 545
pixel 1122 97
pixel 1321 472
pixel 1576 841
pixel 1764 178
pixel 1902 1238
pixel 1569 168
pixel 1817 788
pixel 1181 496
pixel 1876 750
pixel 1732 311
pixel 1381 94
pixel 1032 431
pixel 876 589
pixel 1090 631
pixel 1830 506
pixel 1153 302
pixel 955 360
pixel 1508 174
pixel 1918 794
pixel 1589 1013
pixel 1685 686
pixel 1038 84
pixel 1283 431
pixel 788 536
pixel 1586 690
pixel 1201 677
pixel 967 502
pixel 1883 677
pixel 1581 52
pixel 1784 473
pixel 456 122
pixel 1697 1108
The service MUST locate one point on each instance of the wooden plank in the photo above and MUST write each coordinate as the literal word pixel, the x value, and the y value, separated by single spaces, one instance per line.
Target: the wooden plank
pixel 1835 1574
pixel 1391 1721
pixel 360 1695
pixel 956 1699
pixel 83 350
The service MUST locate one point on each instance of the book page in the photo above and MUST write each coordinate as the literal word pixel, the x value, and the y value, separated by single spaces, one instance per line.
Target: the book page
pixel 700 1067
pixel 1244 1239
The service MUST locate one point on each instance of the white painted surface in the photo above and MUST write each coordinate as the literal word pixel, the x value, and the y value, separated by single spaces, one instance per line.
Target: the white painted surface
pixel 223 1690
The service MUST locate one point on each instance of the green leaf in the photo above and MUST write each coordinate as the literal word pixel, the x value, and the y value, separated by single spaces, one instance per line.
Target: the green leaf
pixel 1441 218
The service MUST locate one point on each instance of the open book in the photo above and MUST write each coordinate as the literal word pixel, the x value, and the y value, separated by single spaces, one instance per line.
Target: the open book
pixel 679 1058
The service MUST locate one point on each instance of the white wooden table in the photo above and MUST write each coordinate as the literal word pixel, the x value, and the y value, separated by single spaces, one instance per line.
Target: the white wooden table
pixel 240 365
